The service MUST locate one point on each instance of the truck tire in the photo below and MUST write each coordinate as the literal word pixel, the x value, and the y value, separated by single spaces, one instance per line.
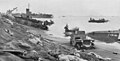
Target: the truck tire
pixel 92 44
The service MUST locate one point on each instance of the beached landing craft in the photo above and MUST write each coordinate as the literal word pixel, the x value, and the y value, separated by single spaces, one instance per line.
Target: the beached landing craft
pixel 27 19
pixel 92 20
pixel 31 22
pixel 105 36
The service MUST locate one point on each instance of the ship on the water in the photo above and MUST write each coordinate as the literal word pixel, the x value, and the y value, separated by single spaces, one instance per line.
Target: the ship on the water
pixel 92 20
pixel 41 15
pixel 34 15
pixel 105 36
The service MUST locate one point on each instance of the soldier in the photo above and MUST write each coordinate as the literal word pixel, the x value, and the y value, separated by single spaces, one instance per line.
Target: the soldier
pixel 66 28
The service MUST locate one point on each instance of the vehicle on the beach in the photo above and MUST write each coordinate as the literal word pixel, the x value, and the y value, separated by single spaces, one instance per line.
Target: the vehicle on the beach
pixel 92 20
pixel 79 41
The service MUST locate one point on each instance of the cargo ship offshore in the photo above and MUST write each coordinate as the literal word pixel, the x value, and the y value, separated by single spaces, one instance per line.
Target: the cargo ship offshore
pixel 41 15
pixel 105 36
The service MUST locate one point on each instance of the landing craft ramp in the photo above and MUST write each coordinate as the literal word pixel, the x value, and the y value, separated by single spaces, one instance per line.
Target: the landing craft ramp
pixel 105 36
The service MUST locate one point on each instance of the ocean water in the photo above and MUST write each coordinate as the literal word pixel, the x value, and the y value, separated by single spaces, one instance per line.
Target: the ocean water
pixel 82 23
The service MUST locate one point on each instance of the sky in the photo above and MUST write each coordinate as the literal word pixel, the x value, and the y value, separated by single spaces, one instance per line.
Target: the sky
pixel 65 7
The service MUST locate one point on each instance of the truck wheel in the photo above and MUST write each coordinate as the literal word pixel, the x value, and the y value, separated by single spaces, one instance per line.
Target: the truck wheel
pixel 92 44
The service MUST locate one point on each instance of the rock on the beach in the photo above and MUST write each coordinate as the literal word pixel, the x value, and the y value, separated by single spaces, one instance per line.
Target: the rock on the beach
pixel 93 57
pixel 70 58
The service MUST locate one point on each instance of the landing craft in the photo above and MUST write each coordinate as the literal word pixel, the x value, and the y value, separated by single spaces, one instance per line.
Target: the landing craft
pixel 92 20
pixel 105 36
pixel 41 15
pixel 26 19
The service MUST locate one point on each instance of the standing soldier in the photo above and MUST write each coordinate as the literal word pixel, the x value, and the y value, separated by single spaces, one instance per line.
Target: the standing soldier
pixel 66 28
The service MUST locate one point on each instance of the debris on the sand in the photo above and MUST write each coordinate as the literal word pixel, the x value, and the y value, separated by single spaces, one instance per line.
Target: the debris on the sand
pixel 70 58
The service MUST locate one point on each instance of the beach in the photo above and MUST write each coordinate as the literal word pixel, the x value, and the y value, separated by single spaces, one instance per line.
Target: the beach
pixel 103 49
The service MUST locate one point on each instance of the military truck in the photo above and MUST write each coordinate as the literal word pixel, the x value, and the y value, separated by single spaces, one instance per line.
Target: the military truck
pixel 79 40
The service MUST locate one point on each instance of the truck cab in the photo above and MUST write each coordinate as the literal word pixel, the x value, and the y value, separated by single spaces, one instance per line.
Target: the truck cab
pixel 80 41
